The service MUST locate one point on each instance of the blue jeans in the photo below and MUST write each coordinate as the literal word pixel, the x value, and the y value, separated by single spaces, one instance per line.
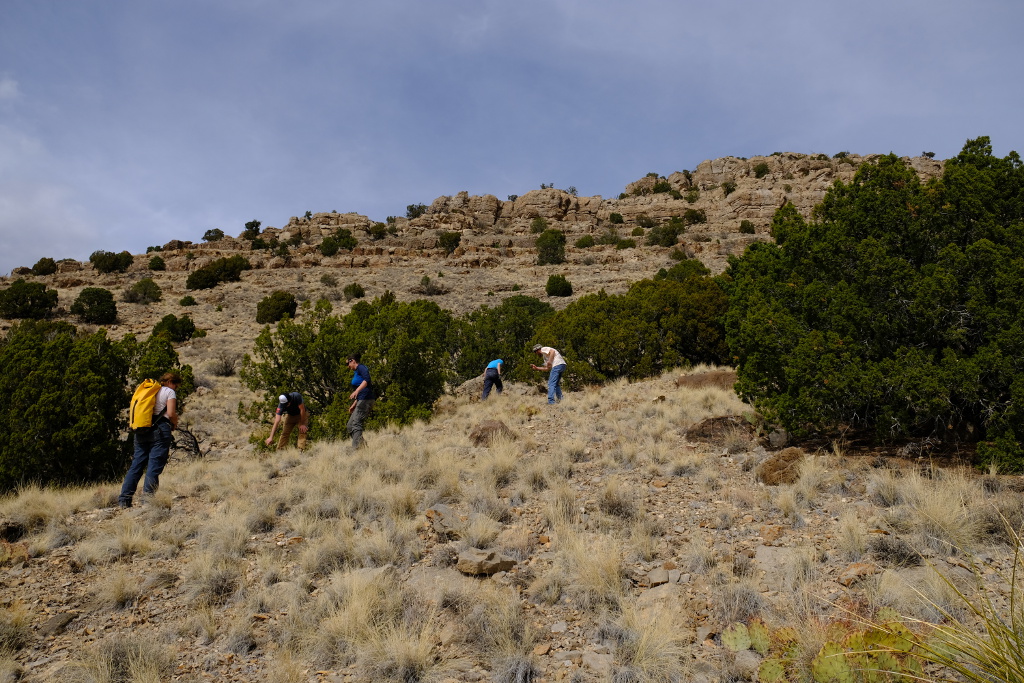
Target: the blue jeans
pixel 151 452
pixel 555 383
pixel 492 378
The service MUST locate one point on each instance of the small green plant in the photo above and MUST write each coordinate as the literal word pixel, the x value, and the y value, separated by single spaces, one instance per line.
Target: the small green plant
pixel 538 225
pixel 95 305
pixel 157 263
pixel 188 300
pixel 787 187
pixel 747 227
pixel 627 243
pixel 558 285
pixel 145 291
pixel 662 186
pixel 174 328
pixel 761 169
pixel 513 197
pixel 616 219
pixel 516 288
pixel 694 216
pixel 27 300
pixel 666 234
pixel 415 210
pixel 638 232
pixel 221 270
pixel 307 215
pixel 154 248
pixel 678 255
pixel 109 262
pixel 551 247
pixel 449 241
pixel 841 155
pixel 275 306
pixel 728 187
pixel 378 231
pixel 44 266
pixel 353 291
pixel 252 230
pixel 609 236
pixel 645 221
pixel 430 288
pixel 328 280
pixel 213 235
pixel 585 242
pixel 692 195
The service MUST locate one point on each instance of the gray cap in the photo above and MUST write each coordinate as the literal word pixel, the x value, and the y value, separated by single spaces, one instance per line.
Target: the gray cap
pixel 282 399
pixel 536 347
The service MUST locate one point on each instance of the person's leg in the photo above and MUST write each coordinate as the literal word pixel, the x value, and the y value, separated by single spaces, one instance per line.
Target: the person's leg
pixel 556 372
pixel 287 425
pixel 355 423
pixel 140 459
pixel 488 382
pixel 158 456
pixel 498 385
pixel 552 381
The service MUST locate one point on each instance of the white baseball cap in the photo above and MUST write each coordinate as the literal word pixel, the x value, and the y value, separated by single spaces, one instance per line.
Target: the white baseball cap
pixel 282 399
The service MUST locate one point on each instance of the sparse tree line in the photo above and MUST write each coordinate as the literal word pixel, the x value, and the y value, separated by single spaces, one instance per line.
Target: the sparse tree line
pixel 897 307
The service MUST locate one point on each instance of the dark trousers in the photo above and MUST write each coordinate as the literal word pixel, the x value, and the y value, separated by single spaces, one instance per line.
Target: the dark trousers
pixel 152 448
pixel 492 378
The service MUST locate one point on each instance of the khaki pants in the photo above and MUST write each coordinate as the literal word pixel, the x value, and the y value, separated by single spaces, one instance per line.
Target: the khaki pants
pixel 287 425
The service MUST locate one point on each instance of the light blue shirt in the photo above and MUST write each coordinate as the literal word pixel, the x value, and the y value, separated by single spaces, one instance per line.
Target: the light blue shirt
pixel 494 364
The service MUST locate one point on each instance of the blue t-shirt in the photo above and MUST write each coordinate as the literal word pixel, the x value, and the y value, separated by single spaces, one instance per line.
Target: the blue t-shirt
pixel 494 364
pixel 362 373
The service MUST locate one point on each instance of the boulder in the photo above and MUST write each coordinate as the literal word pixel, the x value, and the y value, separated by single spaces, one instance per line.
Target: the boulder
pixel 780 468
pixel 489 430
pixel 476 562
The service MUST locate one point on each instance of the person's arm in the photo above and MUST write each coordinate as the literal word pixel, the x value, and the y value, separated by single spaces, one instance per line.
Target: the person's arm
pixel 362 385
pixel 172 412
pixel 303 418
pixel 273 428
pixel 500 366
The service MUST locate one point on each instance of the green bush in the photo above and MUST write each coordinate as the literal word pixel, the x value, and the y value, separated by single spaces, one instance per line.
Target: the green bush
pixel 44 266
pixel 95 305
pixel 221 270
pixel 27 300
pixel 747 227
pixel 154 248
pixel 694 216
pixel 188 300
pixel 656 325
pixel 329 246
pixel 692 195
pixel 899 308
pixel 626 244
pixel 761 169
pixel 666 234
pixel 503 331
pixel 275 306
pixel 406 346
pixel 175 329
pixel 378 231
pixel 353 291
pixel 551 247
pixel 557 285
pixel 345 239
pixel 415 210
pixel 637 232
pixel 157 263
pixel 645 221
pixel 213 235
pixel 661 186
pixel 109 262
pixel 449 241
pixel 538 225
pixel 62 417
pixel 728 187
pixel 145 291
pixel 328 280
pixel 252 230
pixel 615 219
pixel 585 242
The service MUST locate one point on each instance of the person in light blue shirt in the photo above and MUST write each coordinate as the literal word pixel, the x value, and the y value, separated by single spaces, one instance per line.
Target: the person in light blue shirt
pixel 492 377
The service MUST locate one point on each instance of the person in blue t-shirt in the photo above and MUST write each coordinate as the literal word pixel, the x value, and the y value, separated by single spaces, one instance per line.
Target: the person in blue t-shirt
pixel 362 399
pixel 492 377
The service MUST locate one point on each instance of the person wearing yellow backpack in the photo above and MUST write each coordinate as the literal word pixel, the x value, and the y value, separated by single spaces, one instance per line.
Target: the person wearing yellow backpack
pixel 152 442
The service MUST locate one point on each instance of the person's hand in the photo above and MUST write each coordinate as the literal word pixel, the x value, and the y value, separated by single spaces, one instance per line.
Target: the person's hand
pixel 269 438
pixel 352 407
pixel 303 428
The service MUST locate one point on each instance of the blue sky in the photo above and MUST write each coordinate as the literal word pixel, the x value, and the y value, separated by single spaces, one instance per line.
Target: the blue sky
pixel 129 123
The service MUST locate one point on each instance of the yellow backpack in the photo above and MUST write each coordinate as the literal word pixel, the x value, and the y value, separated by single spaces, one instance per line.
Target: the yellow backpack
pixel 140 414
